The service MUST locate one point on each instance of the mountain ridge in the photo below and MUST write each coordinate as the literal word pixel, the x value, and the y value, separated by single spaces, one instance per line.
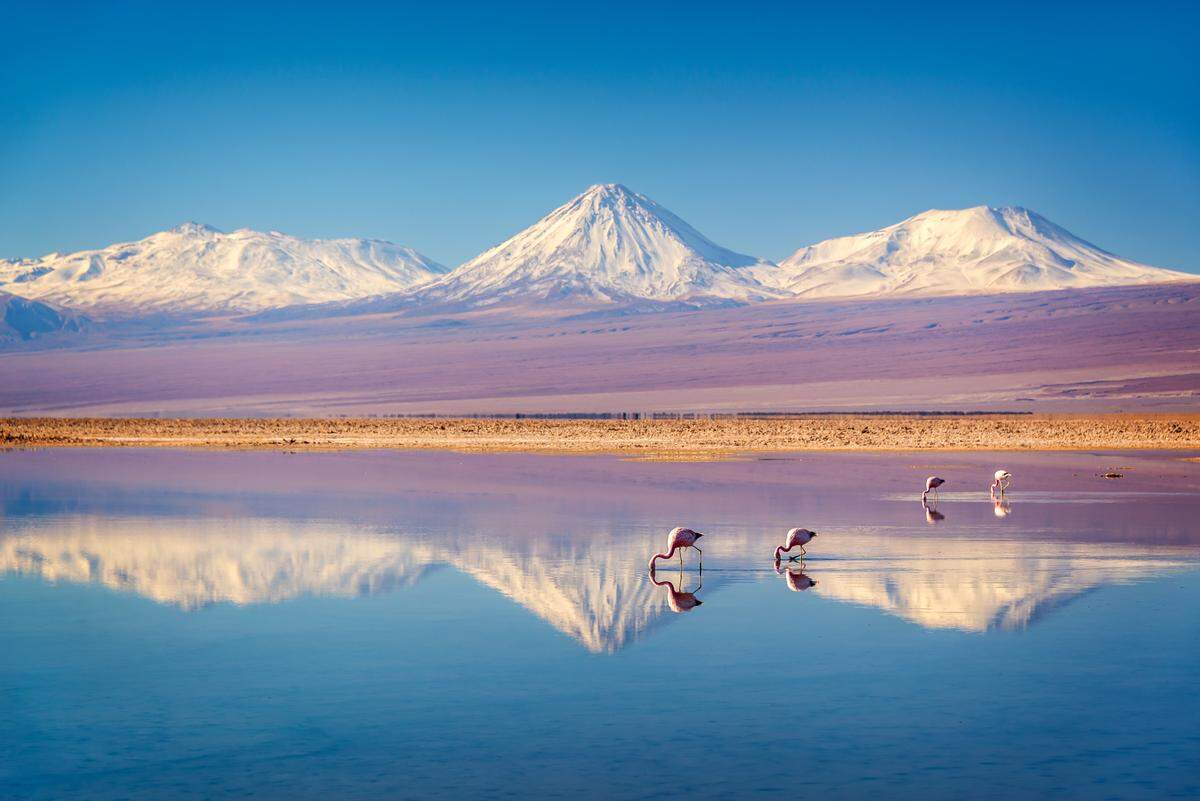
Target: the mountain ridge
pixel 977 250
pixel 196 268
pixel 607 250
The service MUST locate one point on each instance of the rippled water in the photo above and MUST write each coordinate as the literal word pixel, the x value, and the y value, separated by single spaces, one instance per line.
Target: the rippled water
pixel 425 625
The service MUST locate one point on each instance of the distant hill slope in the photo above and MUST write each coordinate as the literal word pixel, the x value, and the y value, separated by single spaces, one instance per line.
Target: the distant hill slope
pixel 1113 348
pixel 195 268
pixel 974 251
pixel 27 319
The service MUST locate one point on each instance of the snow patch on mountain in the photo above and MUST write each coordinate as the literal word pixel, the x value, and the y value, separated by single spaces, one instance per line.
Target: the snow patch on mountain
pixel 980 250
pixel 194 268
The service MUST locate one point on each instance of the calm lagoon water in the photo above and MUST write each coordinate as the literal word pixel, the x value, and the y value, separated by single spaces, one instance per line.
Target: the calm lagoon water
pixel 430 625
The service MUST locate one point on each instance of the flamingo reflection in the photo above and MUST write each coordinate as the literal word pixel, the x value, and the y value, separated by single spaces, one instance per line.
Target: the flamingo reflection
pixel 1001 507
pixel 677 600
pixel 932 515
pixel 797 580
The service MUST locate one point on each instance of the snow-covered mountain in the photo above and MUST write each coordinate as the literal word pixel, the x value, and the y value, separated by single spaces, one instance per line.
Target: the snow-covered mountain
pixel 981 250
pixel 607 246
pixel 196 268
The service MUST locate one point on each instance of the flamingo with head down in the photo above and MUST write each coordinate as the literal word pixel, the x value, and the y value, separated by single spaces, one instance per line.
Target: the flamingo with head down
pixel 679 540
pixel 1003 479
pixel 931 485
pixel 796 538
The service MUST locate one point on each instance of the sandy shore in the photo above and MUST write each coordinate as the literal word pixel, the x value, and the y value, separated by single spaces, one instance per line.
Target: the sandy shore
pixel 670 439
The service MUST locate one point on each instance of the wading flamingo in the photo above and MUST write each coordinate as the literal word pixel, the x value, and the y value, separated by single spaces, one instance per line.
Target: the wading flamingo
pixel 680 539
pixel 931 485
pixel 1003 479
pixel 797 537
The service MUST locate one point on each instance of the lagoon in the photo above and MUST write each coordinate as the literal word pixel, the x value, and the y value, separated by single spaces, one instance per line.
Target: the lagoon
pixel 204 624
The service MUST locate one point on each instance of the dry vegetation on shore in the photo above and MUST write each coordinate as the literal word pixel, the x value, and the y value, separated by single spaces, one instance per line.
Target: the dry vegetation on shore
pixel 664 438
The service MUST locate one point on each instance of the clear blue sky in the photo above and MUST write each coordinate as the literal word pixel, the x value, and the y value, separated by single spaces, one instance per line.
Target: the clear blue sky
pixel 448 126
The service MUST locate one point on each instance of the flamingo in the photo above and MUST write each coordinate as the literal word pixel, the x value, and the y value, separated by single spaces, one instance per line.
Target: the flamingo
pixel 680 539
pixel 678 601
pixel 796 580
pixel 796 537
pixel 1003 479
pixel 931 485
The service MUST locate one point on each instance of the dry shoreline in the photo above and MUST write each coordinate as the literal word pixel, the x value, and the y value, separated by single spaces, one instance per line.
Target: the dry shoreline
pixel 700 438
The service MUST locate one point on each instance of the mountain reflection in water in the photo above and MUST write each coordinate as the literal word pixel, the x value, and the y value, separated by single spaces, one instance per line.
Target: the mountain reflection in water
pixel 593 588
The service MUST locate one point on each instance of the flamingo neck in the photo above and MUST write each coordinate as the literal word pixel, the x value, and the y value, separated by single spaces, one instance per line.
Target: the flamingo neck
pixel 781 550
pixel 666 555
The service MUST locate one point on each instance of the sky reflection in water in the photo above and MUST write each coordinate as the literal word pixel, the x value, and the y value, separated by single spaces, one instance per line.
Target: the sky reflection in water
pixel 204 624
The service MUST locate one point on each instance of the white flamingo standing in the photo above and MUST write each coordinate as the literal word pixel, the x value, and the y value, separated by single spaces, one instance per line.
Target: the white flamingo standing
pixel 796 538
pixel 931 485
pixel 1003 479
pixel 680 539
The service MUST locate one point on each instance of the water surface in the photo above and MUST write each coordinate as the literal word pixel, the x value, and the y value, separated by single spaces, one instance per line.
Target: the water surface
pixel 429 625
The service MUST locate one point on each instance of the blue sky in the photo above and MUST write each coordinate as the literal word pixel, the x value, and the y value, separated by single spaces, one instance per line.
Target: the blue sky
pixel 450 126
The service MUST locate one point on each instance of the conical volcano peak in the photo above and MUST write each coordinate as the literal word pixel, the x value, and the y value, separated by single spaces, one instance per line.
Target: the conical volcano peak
pixel 599 197
pixel 608 189
pixel 606 245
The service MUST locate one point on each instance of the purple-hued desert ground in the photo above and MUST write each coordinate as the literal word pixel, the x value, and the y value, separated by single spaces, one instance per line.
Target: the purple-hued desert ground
pixel 1123 348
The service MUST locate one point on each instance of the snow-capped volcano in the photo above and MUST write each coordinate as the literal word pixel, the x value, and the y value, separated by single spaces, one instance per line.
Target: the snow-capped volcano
pixel 608 245
pixel 196 268
pixel 981 250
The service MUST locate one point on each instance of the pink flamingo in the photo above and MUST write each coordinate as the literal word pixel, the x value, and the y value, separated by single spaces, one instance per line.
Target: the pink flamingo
pixel 797 537
pixel 676 600
pixel 680 539
pixel 931 485
pixel 1003 479
pixel 796 580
